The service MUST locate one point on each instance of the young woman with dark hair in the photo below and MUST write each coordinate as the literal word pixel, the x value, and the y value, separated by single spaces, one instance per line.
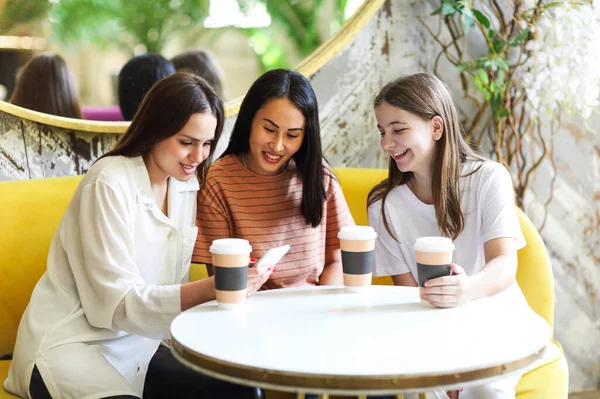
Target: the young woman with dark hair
pixel 136 77
pixel 118 265
pixel 438 186
pixel 46 84
pixel 273 187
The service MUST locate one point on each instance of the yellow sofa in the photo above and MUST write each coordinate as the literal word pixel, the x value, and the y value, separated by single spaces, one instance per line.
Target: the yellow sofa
pixel 30 211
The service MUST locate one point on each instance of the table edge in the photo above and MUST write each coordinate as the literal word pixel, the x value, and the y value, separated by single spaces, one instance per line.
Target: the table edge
pixel 335 383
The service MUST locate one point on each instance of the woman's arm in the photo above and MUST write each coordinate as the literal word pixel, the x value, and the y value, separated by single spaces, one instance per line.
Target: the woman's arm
pixel 197 292
pixel 499 271
pixel 498 274
pixel 332 272
pixel 201 291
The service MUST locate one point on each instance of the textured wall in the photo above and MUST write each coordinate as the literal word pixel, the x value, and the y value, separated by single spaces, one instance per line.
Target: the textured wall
pixel 31 150
pixel 393 43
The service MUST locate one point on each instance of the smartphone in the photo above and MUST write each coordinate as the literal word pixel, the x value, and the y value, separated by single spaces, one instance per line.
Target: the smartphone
pixel 272 256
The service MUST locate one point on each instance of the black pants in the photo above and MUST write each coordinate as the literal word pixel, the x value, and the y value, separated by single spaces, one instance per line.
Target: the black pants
pixel 168 378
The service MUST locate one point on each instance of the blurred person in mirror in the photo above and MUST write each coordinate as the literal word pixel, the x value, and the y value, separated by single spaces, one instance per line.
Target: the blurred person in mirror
pixel 136 78
pixel 46 84
pixel 204 64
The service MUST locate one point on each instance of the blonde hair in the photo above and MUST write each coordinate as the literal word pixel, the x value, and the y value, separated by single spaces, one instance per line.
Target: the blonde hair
pixel 426 96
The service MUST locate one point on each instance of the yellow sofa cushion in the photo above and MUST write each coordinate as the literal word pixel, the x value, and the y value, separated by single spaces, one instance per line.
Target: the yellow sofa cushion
pixel 29 215
pixel 4 365
pixel 549 380
pixel 534 273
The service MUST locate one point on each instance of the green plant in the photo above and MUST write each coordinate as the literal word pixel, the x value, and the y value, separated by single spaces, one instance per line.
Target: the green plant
pixel 19 12
pixel 127 23
pixel 300 20
pixel 503 110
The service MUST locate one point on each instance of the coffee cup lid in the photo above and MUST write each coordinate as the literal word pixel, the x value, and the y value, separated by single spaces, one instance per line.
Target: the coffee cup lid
pixel 357 233
pixel 230 246
pixel 434 244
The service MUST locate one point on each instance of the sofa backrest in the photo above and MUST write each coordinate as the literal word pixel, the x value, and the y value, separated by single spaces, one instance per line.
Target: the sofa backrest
pixel 30 211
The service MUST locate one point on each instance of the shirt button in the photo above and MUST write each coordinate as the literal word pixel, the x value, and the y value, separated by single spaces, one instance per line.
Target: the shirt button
pixel 170 234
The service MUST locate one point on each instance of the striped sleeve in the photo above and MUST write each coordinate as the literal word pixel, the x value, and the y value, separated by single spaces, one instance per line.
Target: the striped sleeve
pixel 213 220
pixel 338 213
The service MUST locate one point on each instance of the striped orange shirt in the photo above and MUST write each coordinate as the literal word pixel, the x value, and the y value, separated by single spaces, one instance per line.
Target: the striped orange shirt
pixel 265 210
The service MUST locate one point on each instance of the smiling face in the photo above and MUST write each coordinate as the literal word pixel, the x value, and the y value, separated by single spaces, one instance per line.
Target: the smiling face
pixel 407 138
pixel 179 155
pixel 276 135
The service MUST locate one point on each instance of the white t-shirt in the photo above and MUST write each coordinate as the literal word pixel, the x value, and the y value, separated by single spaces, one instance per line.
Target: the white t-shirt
pixel 487 203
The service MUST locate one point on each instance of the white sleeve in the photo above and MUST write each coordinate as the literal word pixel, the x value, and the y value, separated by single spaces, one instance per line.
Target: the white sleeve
pixel 389 260
pixel 499 215
pixel 112 291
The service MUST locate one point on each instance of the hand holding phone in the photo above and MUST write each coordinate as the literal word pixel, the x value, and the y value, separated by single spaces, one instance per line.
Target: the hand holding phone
pixel 272 256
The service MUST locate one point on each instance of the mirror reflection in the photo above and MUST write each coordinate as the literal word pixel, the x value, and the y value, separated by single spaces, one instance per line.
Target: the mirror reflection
pixel 229 42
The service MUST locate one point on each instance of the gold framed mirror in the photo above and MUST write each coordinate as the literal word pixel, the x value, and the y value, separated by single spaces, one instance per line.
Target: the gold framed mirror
pixel 309 66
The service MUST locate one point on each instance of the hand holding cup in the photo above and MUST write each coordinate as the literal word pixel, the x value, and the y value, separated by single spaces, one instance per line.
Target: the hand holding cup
pixel 448 291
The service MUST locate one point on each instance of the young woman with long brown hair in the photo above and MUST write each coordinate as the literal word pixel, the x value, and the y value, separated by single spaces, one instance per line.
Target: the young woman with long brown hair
pixel 118 265
pixel 46 84
pixel 438 186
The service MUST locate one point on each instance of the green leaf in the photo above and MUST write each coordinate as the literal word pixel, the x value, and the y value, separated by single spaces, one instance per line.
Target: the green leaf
pixel 437 11
pixel 482 81
pixel 500 77
pixel 483 20
pixel 491 64
pixel 498 45
pixel 448 9
pixel 522 36
pixel 484 77
pixel 472 65
pixel 468 20
pixel 503 63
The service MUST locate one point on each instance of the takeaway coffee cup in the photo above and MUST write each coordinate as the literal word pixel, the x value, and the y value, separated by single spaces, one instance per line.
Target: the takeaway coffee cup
pixel 230 258
pixel 357 244
pixel 434 256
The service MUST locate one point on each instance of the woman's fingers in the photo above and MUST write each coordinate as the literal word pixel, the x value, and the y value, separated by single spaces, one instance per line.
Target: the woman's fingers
pixel 440 290
pixel 258 276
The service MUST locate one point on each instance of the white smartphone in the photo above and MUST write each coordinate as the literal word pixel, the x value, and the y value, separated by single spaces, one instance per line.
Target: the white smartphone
pixel 272 256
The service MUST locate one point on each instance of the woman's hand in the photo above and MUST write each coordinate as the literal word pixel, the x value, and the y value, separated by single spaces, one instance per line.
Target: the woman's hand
pixel 448 291
pixel 257 277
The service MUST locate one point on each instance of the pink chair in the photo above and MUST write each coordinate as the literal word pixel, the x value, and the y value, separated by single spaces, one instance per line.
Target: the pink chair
pixel 110 113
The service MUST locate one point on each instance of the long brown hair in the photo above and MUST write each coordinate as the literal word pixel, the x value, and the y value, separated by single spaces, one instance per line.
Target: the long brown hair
pixel 426 96
pixel 47 85
pixel 164 112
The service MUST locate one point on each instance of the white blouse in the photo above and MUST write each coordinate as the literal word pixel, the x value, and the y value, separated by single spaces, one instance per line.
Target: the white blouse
pixel 112 286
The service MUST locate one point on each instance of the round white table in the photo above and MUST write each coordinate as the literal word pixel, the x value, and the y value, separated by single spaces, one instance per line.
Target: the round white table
pixel 381 341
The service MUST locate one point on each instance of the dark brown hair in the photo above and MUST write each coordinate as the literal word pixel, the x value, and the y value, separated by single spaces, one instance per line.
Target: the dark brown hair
pixel 426 96
pixel 47 85
pixel 164 112
pixel 204 64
